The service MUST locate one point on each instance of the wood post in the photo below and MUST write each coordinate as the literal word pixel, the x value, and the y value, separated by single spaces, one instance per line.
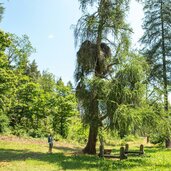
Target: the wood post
pixel 122 153
pixel 101 154
pixel 168 143
pixel 126 148
pixel 140 152
pixel 141 149
pixel 148 139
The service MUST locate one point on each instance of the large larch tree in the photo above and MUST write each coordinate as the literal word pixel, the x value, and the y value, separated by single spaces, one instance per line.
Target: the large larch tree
pixel 97 32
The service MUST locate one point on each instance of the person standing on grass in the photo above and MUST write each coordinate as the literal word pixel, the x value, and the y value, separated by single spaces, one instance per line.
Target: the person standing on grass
pixel 50 141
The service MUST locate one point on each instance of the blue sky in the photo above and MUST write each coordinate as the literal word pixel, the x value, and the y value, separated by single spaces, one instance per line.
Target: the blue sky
pixel 48 24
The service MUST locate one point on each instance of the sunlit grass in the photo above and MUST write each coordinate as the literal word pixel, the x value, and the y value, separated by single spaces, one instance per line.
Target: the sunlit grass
pixel 33 156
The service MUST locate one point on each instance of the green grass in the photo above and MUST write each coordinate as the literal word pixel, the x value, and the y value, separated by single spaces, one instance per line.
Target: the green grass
pixel 31 156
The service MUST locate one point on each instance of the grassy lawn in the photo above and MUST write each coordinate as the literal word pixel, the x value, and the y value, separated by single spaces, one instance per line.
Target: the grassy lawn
pixel 31 155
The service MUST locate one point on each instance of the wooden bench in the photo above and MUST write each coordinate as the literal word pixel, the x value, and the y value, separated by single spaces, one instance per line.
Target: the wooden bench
pixel 124 152
pixel 140 152
pixel 107 153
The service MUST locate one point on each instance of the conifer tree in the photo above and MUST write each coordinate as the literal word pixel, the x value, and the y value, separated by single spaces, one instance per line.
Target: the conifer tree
pixel 1 11
pixel 157 48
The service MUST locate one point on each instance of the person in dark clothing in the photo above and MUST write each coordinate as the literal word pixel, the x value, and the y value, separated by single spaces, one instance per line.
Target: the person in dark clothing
pixel 50 141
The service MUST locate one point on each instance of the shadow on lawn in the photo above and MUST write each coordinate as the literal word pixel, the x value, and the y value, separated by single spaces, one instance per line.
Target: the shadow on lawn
pixel 84 162
pixel 156 149
pixel 65 149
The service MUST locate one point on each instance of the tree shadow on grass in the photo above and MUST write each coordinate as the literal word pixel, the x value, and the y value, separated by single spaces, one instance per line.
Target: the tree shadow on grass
pixel 65 162
pixel 81 162
pixel 151 150
pixel 65 149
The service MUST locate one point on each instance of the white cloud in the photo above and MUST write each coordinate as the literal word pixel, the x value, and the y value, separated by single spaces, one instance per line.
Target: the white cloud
pixel 51 36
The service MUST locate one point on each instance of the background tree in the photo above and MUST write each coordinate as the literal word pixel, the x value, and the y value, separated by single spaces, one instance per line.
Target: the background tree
pixel 157 49
pixel 7 82
pixel 33 72
pixel 126 95
pixel 66 108
pixel 19 52
pixel 1 11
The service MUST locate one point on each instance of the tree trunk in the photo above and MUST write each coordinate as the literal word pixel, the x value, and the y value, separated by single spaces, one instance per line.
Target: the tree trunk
pixel 93 131
pixel 148 139
pixel 92 139
pixel 164 62
pixel 94 124
pixel 168 140
pixel 168 143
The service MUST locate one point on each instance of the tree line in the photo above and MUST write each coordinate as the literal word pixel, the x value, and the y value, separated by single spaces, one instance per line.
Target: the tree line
pixel 31 103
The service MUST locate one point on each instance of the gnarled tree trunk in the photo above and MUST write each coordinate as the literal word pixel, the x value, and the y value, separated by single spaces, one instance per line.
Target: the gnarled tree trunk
pixel 92 139
pixel 94 124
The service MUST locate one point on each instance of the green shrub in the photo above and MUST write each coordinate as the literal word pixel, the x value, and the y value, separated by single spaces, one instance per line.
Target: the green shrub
pixel 19 131
pixel 157 139
pixel 57 137
pixel 78 132
pixel 35 133
pixel 4 123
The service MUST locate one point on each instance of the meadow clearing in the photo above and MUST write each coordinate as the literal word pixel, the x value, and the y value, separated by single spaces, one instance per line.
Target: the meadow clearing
pixel 28 154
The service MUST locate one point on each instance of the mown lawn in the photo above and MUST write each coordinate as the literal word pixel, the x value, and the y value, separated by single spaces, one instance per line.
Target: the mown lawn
pixel 26 155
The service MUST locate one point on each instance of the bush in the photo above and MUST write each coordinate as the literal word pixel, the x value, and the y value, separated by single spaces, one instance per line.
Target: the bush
pixel 4 123
pixel 77 131
pixel 35 133
pixel 19 131
pixel 57 137
pixel 157 139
